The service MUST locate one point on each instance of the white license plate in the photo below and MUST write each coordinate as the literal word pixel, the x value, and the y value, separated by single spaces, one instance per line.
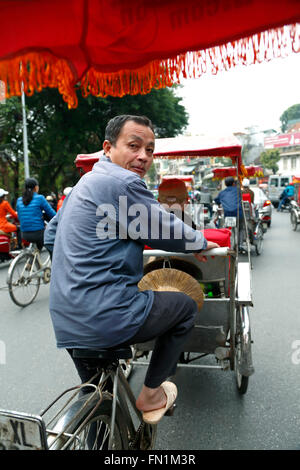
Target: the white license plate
pixel 19 431
pixel 230 221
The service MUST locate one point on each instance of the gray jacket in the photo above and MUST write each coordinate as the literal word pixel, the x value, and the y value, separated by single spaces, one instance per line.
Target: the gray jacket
pixel 99 234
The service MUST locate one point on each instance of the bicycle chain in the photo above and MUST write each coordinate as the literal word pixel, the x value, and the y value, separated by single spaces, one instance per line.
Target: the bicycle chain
pixel 133 444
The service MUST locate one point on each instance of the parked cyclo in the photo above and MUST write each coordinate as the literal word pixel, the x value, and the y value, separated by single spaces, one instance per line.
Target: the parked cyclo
pixel 221 286
pixel 295 203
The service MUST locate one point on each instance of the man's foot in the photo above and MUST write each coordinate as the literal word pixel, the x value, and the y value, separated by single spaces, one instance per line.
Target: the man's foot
pixel 155 415
pixel 151 399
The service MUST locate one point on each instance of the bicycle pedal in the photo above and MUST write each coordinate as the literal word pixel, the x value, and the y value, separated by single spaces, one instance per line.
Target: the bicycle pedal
pixel 171 410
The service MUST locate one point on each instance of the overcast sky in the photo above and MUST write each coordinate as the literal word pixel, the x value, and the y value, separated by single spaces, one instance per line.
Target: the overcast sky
pixel 246 96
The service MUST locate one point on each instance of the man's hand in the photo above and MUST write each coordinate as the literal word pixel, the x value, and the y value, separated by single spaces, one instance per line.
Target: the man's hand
pixel 210 246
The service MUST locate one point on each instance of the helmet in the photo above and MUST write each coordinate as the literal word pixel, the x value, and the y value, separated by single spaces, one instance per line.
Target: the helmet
pixel 67 190
pixel 3 192
pixel 246 182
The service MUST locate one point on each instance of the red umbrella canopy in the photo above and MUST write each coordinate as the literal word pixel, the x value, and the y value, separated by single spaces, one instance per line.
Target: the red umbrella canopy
pixel 118 47
pixel 181 147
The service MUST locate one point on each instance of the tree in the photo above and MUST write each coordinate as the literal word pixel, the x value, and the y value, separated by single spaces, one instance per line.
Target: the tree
pixel 56 135
pixel 293 112
pixel 11 145
pixel 269 159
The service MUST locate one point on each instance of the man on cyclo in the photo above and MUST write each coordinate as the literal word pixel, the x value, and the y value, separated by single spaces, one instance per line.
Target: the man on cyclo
pixel 100 233
pixel 232 205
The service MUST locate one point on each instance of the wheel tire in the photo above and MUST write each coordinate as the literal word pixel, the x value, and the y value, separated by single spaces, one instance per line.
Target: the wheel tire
pixel 242 381
pixel 259 241
pixel 94 435
pixel 294 221
pixel 21 290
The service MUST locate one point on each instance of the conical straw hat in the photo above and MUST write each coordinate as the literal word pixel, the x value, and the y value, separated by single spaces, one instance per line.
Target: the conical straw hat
pixel 169 279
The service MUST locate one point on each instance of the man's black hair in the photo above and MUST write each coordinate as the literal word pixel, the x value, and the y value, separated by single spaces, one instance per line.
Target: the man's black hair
pixel 115 125
pixel 229 181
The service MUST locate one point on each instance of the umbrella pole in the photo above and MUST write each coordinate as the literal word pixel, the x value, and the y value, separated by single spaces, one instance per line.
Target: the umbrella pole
pixel 25 141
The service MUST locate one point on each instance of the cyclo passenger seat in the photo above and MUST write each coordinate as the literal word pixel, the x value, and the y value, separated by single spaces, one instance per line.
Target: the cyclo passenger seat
pixel 109 354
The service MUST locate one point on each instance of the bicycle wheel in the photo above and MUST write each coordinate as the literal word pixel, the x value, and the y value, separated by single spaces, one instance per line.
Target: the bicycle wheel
pixel 23 284
pixel 91 431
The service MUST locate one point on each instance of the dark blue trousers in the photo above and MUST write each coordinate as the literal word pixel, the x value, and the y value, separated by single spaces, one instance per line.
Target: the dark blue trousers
pixel 170 321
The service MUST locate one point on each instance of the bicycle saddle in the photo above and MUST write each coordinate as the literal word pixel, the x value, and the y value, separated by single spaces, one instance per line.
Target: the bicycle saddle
pixel 109 353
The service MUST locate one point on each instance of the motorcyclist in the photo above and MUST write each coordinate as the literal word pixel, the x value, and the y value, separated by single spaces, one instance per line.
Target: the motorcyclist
pixel 247 191
pixel 248 195
pixel 5 226
pixel 286 195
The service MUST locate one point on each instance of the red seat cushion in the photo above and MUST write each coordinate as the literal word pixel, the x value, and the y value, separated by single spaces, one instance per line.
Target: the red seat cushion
pixel 221 236
pixel 218 235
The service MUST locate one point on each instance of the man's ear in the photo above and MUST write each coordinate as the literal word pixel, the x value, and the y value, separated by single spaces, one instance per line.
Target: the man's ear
pixel 106 147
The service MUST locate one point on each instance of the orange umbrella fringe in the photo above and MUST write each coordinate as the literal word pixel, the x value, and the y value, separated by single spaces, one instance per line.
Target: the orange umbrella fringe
pixel 35 71
pixel 38 70
pixel 243 172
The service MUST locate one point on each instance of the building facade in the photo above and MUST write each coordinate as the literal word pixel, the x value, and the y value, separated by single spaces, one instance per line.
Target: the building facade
pixel 289 148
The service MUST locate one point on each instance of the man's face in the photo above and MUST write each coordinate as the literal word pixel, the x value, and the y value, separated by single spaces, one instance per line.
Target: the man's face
pixel 133 149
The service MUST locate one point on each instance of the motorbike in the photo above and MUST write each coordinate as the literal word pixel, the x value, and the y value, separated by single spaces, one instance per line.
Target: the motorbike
pixel 264 220
pixel 8 245
pixel 207 208
pixel 217 215
pixel 287 206
pixel 255 226
pixel 295 215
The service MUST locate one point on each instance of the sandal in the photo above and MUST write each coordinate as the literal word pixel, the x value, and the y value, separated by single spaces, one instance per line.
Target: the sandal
pixel 154 416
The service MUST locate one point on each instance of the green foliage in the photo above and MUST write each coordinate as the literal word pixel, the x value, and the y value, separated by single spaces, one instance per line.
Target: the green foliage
pixel 293 112
pixel 56 135
pixel 269 159
pixel 152 174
